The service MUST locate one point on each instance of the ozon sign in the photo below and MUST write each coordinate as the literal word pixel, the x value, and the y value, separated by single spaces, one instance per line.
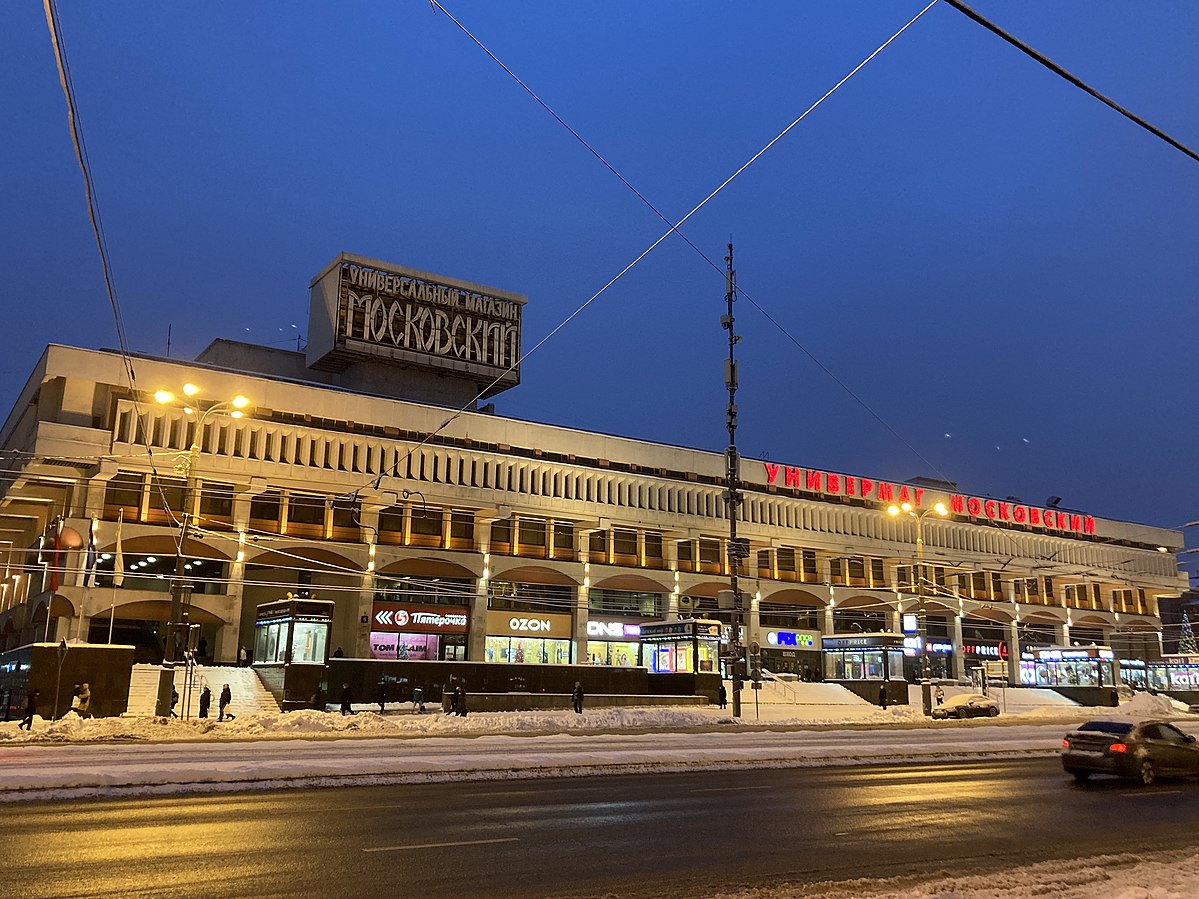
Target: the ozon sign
pixel 525 625
pixel 831 483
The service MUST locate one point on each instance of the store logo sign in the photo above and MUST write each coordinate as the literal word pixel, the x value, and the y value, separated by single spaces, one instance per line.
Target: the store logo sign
pixel 530 624
pixel 789 638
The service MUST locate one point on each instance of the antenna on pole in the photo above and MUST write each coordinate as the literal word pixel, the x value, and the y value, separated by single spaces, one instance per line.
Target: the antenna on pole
pixel 737 549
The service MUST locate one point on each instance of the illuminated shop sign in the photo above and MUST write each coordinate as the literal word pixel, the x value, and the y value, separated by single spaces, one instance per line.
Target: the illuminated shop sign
pixel 365 308
pixel 1075 654
pixel 834 484
pixel 524 624
pixel 986 650
pixel 791 639
pixel 612 630
pixel 390 617
pixel 912 644
pixel 910 624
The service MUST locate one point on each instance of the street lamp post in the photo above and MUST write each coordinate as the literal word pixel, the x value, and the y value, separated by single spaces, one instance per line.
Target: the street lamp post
pixel 185 466
pixel 926 688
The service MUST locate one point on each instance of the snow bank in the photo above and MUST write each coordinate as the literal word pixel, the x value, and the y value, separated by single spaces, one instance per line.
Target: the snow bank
pixel 1166 876
pixel 1148 705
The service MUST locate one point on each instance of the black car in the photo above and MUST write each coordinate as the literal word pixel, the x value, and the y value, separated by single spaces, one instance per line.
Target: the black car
pixel 1142 750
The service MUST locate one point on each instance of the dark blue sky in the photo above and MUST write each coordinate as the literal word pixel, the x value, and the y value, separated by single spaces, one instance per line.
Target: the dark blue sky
pixel 973 246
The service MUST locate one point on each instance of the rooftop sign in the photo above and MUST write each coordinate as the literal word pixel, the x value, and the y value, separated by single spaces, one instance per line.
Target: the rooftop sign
pixel 830 483
pixel 365 309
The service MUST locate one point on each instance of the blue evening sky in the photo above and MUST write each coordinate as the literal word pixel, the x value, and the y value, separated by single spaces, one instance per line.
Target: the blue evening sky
pixel 999 266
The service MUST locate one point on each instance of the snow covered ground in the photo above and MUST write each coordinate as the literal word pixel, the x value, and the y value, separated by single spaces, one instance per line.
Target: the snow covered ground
pixel 1171 875
pixel 146 756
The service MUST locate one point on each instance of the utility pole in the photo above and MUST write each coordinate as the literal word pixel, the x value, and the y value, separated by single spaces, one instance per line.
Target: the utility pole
pixel 732 497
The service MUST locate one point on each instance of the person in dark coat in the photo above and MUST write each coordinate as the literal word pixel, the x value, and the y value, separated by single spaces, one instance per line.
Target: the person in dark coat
pixel 451 708
pixel 722 696
pixel 338 654
pixel 347 699
pixel 205 701
pixel 576 698
pixel 82 700
pixel 460 702
pixel 383 691
pixel 30 710
pixel 318 700
pixel 174 702
pixel 226 698
pixel 882 695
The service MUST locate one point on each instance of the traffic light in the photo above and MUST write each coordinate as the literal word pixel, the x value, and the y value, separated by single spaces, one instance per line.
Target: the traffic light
pixel 755 662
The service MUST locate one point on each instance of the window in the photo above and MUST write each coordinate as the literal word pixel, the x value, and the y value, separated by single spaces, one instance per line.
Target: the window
pixel 532 537
pixel 564 540
pixel 653 549
pixel 809 565
pixel 624 546
pixel 391 526
pixel 501 536
pixel 857 572
pixel 167 501
pixel 624 603
pixel 216 504
pixel 462 529
pixel 686 550
pixel 709 555
pixel 123 496
pixel 264 512
pixel 426 525
pixel 597 546
pixel 878 577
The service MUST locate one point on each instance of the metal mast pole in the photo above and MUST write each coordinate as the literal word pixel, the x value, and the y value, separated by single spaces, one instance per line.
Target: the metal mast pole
pixel 732 496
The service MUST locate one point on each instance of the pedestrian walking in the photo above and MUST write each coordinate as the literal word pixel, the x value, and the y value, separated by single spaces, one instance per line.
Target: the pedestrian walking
pixel 722 696
pixel 460 702
pixel 226 698
pixel 418 699
pixel 383 691
pixel 202 649
pixel 318 699
pixel 81 700
pixel 174 701
pixel 576 698
pixel 882 695
pixel 205 701
pixel 242 657
pixel 347 699
pixel 940 694
pixel 30 710
pixel 451 707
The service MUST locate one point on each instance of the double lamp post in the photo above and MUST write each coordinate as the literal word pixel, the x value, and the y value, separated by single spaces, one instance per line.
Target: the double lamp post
pixel 185 466
pixel 925 663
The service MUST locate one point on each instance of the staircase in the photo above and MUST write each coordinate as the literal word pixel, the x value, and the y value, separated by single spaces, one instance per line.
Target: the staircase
pixel 249 695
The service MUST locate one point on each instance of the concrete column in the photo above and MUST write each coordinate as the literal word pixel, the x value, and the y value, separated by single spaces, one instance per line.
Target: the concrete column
pixel 476 645
pixel 959 660
pixel 1013 652
pixel 1061 634
pixel 896 621
pixel 581 617
pixel 829 626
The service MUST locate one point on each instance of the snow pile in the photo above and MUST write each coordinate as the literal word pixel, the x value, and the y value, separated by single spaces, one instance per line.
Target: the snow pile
pixel 1165 876
pixel 1149 705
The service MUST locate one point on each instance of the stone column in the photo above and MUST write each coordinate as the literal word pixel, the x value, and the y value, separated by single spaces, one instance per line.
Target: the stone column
pixel 959 659
pixel 1013 652
pixel 476 647
pixel 581 617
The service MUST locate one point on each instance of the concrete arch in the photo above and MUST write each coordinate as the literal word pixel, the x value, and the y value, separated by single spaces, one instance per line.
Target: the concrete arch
pixel 633 583
pixel 60 607
pixel 991 613
pixel 534 574
pixel 165 545
pixel 707 589
pixel 428 567
pixel 1092 621
pixel 790 596
pixel 160 610
pixel 1140 625
pixel 865 601
pixel 313 557
pixel 1043 616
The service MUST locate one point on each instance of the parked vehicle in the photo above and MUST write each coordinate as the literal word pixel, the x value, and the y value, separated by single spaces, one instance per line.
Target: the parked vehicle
pixel 967 705
pixel 1142 751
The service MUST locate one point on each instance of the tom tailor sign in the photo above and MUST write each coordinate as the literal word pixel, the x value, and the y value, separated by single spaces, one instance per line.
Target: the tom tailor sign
pixel 389 311
pixel 833 483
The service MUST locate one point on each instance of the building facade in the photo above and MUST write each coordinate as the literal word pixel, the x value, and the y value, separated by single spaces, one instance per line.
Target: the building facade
pixel 438 533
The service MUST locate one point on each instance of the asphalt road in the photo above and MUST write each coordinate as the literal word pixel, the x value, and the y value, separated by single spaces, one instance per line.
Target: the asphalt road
pixel 649 835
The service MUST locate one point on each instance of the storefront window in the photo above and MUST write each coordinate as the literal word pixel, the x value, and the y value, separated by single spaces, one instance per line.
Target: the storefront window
pixel 308 641
pixel 528 650
pixel 601 652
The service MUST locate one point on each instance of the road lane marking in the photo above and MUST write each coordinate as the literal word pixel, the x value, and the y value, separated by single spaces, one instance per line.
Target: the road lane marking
pixel 1154 793
pixel 726 789
pixel 441 845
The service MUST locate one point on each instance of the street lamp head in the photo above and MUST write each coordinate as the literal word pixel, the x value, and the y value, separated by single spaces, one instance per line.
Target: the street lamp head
pixel 892 510
pixel 239 402
pixel 164 396
pixel 940 509
pixel 190 389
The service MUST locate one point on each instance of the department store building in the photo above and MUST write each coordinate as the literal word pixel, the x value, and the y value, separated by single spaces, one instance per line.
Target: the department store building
pixel 354 478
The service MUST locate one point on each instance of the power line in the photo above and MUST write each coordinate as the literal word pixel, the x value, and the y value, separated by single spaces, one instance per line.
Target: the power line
pixel 1073 79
